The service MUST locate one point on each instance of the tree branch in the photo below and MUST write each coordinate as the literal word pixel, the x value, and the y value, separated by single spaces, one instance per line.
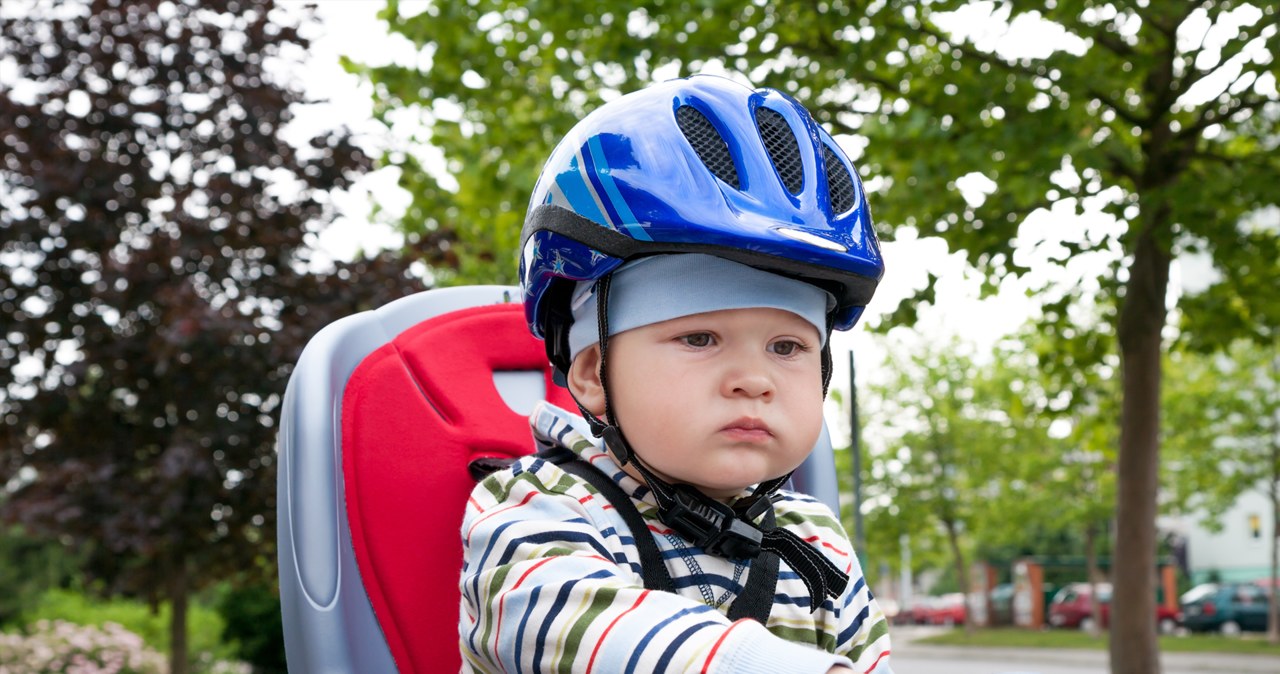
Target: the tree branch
pixel 1114 45
pixel 1121 167
pixel 1211 117
pixel 1214 157
pixel 1123 112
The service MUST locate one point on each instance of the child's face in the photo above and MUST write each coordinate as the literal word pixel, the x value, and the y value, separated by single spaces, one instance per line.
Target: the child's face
pixel 721 400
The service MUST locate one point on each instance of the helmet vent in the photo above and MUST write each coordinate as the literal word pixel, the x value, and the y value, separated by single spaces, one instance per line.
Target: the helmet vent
pixel 839 182
pixel 708 143
pixel 783 150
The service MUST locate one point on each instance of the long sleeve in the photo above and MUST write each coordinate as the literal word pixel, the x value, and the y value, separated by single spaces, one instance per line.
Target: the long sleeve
pixel 855 625
pixel 551 583
pixel 864 630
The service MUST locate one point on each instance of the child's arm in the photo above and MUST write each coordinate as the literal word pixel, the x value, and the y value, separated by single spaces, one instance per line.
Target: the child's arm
pixel 547 585
pixel 864 630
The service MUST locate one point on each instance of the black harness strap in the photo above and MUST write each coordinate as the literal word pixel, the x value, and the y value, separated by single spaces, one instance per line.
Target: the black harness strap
pixel 652 568
pixel 756 600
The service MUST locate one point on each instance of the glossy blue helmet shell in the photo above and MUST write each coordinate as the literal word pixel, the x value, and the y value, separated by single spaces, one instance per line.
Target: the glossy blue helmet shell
pixel 706 165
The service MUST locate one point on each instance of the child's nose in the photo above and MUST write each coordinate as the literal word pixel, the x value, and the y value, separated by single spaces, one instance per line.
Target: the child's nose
pixel 749 378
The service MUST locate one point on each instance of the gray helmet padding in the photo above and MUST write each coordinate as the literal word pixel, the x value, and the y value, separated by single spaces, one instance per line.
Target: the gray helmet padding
pixel 662 287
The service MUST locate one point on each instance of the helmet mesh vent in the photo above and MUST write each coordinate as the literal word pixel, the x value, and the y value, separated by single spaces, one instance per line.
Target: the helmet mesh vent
pixel 783 150
pixel 839 182
pixel 708 143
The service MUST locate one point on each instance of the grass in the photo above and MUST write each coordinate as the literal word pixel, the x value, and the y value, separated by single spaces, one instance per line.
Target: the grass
pixel 1250 643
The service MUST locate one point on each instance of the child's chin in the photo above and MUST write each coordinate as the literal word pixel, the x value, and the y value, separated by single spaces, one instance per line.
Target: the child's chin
pixel 723 490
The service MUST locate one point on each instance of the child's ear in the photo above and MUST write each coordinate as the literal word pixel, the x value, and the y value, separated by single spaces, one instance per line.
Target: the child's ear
pixel 584 380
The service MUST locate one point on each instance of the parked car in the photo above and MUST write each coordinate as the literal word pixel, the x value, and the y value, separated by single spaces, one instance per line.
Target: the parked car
pixel 921 609
pixel 1229 608
pixel 949 609
pixel 1072 606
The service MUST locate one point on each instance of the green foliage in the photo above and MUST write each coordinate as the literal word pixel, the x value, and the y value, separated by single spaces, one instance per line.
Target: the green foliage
pixel 1221 425
pixel 940 445
pixel 253 622
pixel 504 82
pixel 1235 307
pixel 1020 460
pixel 28 567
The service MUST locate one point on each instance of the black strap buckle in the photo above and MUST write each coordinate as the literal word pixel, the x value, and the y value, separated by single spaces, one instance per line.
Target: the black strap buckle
pixel 711 525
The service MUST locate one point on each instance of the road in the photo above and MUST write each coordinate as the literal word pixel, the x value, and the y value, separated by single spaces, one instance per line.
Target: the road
pixel 910 657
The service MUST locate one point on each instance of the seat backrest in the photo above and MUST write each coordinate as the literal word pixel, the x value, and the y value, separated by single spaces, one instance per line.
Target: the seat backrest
pixel 384 415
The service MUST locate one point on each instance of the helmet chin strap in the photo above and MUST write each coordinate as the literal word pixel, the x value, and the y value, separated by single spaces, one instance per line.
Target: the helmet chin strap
pixel 720 529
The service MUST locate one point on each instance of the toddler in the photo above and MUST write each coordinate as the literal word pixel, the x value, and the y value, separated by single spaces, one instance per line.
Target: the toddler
pixel 687 252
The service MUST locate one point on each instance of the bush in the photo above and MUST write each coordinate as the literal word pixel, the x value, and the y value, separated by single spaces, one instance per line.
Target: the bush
pixel 28 567
pixel 251 614
pixel 58 647
pixel 204 626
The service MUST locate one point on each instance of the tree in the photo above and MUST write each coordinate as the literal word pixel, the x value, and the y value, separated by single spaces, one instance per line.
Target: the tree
pixel 1223 435
pixel 154 283
pixel 945 437
pixel 1161 115
pixel 1077 395
pixel 990 435
pixel 1145 117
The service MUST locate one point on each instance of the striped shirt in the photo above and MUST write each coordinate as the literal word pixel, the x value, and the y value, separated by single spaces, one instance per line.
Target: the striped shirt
pixel 552 582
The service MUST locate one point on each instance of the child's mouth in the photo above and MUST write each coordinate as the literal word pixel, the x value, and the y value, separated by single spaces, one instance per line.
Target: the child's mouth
pixel 748 429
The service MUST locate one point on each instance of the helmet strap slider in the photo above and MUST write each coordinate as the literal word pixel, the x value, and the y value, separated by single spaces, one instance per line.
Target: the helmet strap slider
pixel 614 441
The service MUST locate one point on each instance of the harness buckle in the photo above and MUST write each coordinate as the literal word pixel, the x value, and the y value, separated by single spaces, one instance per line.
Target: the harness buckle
pixel 711 525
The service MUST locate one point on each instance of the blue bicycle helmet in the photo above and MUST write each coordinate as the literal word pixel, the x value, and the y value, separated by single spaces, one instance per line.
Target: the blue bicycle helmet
pixel 700 165
pixel 696 165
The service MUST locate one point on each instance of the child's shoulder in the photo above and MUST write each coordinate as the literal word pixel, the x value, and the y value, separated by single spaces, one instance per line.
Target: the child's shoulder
pixel 529 475
pixel 813 521
pixel 801 512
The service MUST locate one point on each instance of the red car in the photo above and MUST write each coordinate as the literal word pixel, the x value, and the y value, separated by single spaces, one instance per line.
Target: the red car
pixel 1072 606
pixel 919 611
pixel 949 609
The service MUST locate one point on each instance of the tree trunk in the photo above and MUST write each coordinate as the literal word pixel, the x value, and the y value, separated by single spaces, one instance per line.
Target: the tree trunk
pixel 1273 607
pixel 1091 568
pixel 178 660
pixel 1134 648
pixel 953 537
pixel 1273 602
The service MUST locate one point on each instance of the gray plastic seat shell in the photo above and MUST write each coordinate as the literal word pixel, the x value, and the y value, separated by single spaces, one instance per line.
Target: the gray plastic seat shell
pixel 329 624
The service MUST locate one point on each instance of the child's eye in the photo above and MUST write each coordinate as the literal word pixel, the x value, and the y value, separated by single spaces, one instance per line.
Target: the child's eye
pixel 787 347
pixel 697 340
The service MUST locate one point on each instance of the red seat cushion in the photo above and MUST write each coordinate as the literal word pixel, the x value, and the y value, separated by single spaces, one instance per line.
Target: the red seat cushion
pixel 415 413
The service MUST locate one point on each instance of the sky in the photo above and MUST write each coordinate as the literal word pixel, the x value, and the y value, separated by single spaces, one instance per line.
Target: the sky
pixel 352 29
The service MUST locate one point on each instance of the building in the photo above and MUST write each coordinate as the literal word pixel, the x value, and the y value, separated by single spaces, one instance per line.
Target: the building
pixel 1240 551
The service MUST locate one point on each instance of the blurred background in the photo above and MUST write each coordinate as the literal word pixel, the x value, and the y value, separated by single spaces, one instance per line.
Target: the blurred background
pixel 1068 384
